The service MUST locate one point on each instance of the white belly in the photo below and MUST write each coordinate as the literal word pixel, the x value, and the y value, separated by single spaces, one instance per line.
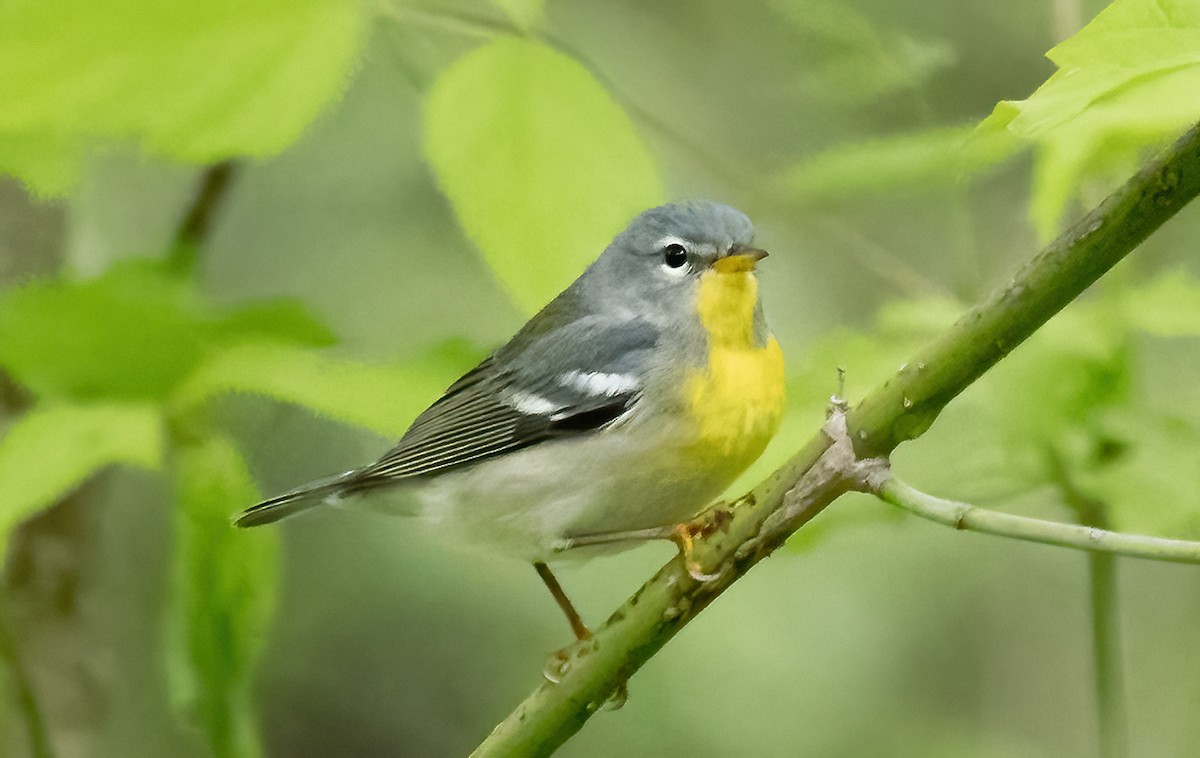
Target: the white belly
pixel 527 502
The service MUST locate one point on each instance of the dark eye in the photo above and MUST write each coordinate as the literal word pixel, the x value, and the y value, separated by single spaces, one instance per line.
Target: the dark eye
pixel 675 255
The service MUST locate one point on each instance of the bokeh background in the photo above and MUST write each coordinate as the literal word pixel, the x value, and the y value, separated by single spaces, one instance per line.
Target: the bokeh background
pixel 830 124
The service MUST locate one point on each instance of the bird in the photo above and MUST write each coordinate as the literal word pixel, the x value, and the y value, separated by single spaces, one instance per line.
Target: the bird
pixel 623 407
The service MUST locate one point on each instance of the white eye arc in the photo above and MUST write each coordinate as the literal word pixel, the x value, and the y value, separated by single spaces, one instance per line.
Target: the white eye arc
pixel 674 252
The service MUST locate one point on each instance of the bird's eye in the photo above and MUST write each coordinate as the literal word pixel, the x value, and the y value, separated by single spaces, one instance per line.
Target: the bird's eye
pixel 675 255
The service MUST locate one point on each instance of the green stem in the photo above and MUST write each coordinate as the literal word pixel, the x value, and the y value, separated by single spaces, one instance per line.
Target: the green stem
pixel 1106 626
pixel 1090 538
pixel 194 228
pixel 748 530
pixel 1106 651
pixel 27 702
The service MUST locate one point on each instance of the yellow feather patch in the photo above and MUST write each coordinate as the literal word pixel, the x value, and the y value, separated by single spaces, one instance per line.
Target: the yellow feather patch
pixel 737 401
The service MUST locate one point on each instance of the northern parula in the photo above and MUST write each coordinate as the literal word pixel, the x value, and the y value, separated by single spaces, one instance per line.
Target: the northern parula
pixel 626 404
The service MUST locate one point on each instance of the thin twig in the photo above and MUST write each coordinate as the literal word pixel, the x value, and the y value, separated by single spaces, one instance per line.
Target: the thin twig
pixel 901 409
pixel 27 702
pixel 1111 712
pixel 197 221
pixel 967 517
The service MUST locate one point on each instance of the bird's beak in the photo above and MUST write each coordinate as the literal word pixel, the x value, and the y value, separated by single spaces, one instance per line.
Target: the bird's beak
pixel 740 258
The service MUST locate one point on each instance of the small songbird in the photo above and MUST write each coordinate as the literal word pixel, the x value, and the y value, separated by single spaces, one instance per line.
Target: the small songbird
pixel 626 404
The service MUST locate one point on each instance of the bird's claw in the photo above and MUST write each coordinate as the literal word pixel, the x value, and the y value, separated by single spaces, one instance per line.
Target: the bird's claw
pixel 683 537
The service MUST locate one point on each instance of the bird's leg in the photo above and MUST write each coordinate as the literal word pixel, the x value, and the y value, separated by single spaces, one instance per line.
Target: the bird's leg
pixel 683 535
pixel 564 602
pixel 610 538
pixel 560 660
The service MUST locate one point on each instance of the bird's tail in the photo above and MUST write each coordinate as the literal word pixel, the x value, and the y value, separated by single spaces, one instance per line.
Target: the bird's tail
pixel 301 499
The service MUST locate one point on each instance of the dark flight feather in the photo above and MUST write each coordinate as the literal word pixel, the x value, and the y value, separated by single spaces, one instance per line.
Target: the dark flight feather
pixel 500 406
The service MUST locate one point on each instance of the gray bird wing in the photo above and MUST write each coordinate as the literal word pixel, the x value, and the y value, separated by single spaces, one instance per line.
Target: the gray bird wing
pixel 548 382
pixel 566 381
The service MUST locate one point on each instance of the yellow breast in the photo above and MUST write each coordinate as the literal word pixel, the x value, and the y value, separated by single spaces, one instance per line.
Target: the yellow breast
pixel 737 399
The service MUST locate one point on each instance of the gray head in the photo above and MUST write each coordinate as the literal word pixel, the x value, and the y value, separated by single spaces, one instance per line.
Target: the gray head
pixel 665 251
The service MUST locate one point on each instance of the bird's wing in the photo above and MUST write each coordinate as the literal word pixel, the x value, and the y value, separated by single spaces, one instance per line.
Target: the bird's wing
pixel 566 381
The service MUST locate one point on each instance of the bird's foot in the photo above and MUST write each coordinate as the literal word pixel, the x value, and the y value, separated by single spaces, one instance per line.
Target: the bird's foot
pixel 684 535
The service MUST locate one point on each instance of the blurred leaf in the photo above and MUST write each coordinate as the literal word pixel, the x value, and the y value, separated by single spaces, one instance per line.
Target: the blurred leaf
pixel 934 157
pixel 281 320
pixel 52 449
pixel 223 597
pixel 855 62
pixel 1168 306
pixel 1143 468
pixel 384 399
pixel 1071 369
pixel 525 13
pixel 1065 405
pixel 199 82
pixel 1126 82
pixel 134 332
pixel 541 166
pixel 917 319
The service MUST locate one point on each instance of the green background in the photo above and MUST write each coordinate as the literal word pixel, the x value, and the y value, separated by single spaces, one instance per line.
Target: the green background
pixel 872 634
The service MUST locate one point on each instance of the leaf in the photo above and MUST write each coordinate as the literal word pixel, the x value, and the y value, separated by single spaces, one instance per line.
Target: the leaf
pixel 198 82
pixel 54 448
pixel 1168 306
pixel 1146 474
pixel 1126 82
pixel 525 13
pixel 223 596
pixel 932 157
pixel 853 61
pixel 384 399
pixel 133 333
pixel 541 166
pixel 1074 367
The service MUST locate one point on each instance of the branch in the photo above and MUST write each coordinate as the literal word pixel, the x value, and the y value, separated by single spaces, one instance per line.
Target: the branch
pixel 749 529
pixel 971 518
pixel 193 229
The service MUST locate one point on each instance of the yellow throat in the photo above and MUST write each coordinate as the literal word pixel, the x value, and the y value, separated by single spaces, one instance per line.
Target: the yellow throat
pixel 737 400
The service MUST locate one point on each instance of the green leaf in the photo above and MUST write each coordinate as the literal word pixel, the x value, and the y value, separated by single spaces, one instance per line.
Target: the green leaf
pixel 54 448
pixel 384 399
pixel 1168 306
pixel 1146 474
pixel 934 157
pixel 223 596
pixel 541 166
pixel 854 61
pixel 1126 82
pixel 525 13
pixel 134 332
pixel 1074 367
pixel 198 82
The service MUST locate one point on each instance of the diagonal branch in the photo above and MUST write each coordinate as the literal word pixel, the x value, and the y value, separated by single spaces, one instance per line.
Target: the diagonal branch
pixel 749 529
pixel 967 517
